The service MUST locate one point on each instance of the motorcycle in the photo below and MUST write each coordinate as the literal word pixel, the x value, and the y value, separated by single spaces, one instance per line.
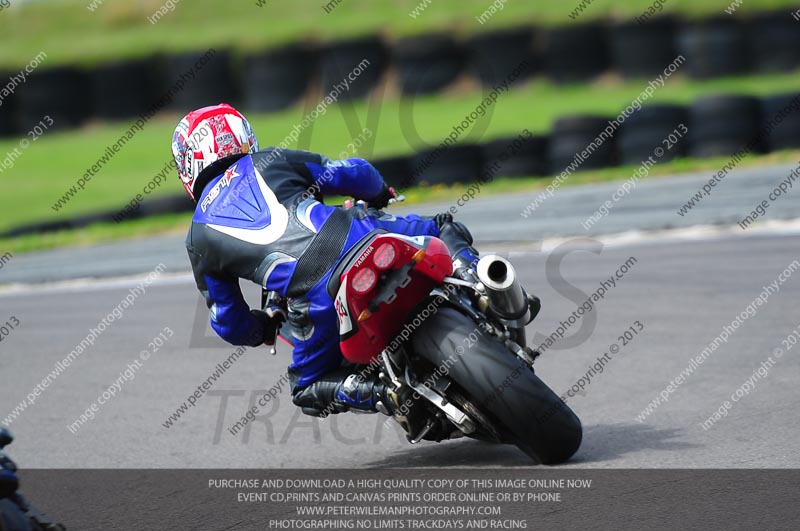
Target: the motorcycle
pixel 450 344
pixel 16 513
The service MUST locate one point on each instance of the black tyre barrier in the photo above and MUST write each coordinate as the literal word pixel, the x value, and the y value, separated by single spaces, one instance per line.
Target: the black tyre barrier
pixel 714 48
pixel 37 228
pixel 571 136
pixel 396 171
pixel 276 79
pixel 460 163
pixel 718 126
pixel 123 90
pixel 77 222
pixel 493 55
pixel 721 125
pixel 150 207
pixel 342 59
pixel 576 53
pixel 786 134
pixel 515 157
pixel 61 93
pixel 166 205
pixel 774 42
pixel 642 50
pixel 651 127
pixel 85 220
pixel 428 63
pixel 213 82
pixel 8 110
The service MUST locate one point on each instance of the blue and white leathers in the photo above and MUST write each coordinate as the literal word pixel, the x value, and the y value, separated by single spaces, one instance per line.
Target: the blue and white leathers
pixel 262 219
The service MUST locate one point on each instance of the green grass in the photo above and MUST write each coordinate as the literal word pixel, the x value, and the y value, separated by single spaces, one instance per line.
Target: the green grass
pixel 52 164
pixel 178 223
pixel 98 233
pixel 68 32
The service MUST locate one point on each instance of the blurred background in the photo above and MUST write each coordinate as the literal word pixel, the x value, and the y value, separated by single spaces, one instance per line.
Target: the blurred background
pixel 77 75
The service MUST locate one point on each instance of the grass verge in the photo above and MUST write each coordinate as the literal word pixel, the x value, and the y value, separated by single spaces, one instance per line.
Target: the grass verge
pixel 178 223
pixel 87 31
pixel 50 166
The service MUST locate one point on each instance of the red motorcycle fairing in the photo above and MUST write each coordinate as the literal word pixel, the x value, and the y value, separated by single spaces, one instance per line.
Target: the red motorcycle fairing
pixel 391 276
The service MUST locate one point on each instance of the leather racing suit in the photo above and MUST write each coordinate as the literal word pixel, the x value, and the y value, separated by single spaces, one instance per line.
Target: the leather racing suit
pixel 262 219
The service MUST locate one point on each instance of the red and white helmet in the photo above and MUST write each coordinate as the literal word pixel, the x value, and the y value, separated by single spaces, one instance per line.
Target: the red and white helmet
pixel 206 135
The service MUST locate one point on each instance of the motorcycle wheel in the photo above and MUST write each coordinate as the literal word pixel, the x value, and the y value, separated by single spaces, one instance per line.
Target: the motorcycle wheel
pixel 527 412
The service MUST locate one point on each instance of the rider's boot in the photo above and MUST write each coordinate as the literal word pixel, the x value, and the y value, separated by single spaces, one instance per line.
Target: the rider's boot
pixel 459 241
pixel 345 390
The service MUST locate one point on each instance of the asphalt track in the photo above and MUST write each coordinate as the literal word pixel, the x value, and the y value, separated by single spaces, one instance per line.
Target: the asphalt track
pixel 682 292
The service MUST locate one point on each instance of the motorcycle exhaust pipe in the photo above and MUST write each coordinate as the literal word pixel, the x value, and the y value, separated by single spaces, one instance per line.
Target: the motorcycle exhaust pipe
pixel 507 299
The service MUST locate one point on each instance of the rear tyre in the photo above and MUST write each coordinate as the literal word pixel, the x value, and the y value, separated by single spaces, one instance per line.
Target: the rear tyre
pixel 501 386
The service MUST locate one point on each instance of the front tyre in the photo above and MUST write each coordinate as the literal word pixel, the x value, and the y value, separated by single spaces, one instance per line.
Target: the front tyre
pixel 529 413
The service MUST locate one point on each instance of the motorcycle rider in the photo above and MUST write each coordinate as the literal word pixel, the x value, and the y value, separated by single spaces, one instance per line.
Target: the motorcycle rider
pixel 260 217
pixel 16 512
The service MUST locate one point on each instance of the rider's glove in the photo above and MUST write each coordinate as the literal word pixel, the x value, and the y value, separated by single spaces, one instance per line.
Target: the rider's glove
pixel 270 322
pixel 382 199
pixel 442 219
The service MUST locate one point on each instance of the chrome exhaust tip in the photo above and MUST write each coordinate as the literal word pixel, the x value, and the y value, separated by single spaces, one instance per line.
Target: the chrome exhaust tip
pixel 506 297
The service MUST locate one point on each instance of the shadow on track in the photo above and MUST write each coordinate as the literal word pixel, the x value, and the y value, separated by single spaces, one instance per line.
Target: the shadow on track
pixel 610 442
pixel 601 442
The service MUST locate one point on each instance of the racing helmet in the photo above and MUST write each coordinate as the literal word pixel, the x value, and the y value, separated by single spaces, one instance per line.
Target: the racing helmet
pixel 205 136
